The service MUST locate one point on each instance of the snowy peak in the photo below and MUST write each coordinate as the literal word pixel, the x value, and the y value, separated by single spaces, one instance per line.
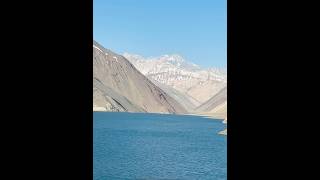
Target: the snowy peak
pixel 174 65
pixel 172 62
pixel 177 61
pixel 175 58
pixel 176 72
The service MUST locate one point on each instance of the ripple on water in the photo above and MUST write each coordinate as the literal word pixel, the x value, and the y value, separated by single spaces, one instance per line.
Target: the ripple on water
pixel 158 146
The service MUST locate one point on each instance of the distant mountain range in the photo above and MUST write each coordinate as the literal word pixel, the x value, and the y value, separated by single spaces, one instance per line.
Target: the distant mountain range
pixel 119 86
pixel 164 84
pixel 196 83
pixel 193 86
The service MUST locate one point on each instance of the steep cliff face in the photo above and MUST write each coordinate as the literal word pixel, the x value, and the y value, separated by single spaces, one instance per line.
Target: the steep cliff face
pixel 119 86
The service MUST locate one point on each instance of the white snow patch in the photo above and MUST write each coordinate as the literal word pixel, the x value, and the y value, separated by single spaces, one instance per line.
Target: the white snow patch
pixel 97 48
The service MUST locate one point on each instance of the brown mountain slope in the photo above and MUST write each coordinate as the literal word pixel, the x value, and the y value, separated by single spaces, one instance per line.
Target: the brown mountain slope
pixel 119 86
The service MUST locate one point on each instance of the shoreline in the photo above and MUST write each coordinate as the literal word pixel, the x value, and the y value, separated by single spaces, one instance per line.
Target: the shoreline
pixel 213 116
pixel 218 117
pixel 223 132
pixel 160 113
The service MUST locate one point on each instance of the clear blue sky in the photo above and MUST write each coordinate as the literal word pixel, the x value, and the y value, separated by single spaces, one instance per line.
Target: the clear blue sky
pixel 195 29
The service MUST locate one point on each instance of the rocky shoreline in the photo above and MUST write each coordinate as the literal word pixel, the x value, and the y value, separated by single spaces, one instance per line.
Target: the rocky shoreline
pixel 224 132
pixel 215 116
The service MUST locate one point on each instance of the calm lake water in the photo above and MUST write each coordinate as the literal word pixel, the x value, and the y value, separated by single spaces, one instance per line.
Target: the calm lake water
pixel 158 146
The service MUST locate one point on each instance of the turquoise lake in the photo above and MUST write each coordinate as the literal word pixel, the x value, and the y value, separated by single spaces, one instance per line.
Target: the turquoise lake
pixel 158 146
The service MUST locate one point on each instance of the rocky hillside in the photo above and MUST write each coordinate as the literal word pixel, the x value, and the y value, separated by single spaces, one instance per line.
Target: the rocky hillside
pixel 119 86
pixel 216 105
pixel 177 95
pixel 195 83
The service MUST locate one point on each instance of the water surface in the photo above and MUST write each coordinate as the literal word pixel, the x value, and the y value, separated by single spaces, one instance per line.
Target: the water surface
pixel 157 146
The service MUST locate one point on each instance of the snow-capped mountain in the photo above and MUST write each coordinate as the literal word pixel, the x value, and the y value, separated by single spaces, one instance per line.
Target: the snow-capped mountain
pixel 199 84
pixel 119 86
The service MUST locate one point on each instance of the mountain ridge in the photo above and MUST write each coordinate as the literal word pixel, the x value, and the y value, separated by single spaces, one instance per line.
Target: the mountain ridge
pixel 119 86
pixel 194 82
pixel 215 106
